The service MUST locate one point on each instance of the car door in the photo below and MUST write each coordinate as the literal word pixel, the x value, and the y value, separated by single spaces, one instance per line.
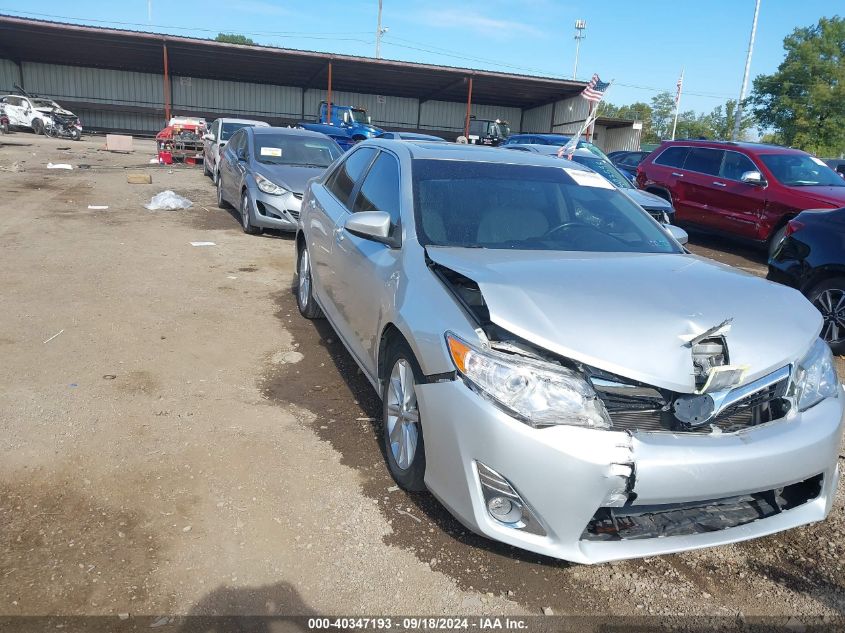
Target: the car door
pixel 14 110
pixel 740 205
pixel 363 266
pixel 702 195
pixel 664 175
pixel 230 168
pixel 330 205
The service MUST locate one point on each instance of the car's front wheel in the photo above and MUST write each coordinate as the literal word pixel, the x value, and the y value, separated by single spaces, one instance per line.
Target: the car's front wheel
pixel 38 126
pixel 403 436
pixel 246 218
pixel 305 286
pixel 829 299
pixel 221 201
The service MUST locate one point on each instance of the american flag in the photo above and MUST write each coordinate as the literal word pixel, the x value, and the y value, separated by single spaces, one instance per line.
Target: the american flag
pixel 680 86
pixel 595 89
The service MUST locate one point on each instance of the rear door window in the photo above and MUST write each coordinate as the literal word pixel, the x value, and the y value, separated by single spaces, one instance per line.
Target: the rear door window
pixel 673 156
pixel 342 181
pixel 704 160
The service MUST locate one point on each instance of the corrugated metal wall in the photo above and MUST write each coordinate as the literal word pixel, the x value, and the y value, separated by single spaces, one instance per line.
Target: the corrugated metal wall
pixel 448 115
pixel 570 115
pixel 94 85
pixel 537 120
pixel 621 138
pixel 191 94
pixel 9 75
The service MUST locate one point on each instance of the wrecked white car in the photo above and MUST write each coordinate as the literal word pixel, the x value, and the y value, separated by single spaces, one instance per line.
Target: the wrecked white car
pixel 555 368
pixel 38 114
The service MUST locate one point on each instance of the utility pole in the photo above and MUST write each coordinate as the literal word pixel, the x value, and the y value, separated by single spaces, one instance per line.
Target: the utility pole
pixel 379 32
pixel 580 26
pixel 738 114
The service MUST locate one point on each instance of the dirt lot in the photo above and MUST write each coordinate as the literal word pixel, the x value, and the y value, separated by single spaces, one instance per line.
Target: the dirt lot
pixel 176 439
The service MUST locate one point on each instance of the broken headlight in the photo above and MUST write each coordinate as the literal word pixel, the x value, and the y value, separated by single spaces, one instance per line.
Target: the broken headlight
pixel 537 393
pixel 815 377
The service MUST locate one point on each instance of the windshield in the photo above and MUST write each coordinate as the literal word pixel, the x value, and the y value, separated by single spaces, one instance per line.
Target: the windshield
pixel 492 205
pixel 44 103
pixel 291 149
pixel 605 168
pixel 801 170
pixel 358 116
pixel 230 128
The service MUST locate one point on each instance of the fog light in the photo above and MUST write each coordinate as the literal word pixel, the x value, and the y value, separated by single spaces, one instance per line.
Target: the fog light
pixel 504 509
pixel 504 503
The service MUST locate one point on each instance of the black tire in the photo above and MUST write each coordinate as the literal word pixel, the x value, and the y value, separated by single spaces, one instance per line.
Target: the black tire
pixel 246 220
pixel 221 202
pixel 75 134
pixel 205 170
pixel 775 240
pixel 832 288
pixel 305 295
pixel 38 126
pixel 412 476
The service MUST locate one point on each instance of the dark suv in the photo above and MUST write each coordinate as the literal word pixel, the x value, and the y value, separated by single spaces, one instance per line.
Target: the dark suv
pixel 747 190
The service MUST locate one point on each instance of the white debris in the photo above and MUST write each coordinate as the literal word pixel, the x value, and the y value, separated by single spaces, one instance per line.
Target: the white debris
pixel 97 207
pixel 59 166
pixel 203 244
pixel 168 201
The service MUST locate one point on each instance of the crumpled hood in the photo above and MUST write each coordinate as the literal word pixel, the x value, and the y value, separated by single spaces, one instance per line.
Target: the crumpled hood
pixel 291 177
pixel 630 314
pixel 56 110
pixel 648 200
pixel 833 196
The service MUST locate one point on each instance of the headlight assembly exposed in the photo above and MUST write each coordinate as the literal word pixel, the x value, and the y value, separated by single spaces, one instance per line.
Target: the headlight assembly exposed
pixel 268 186
pixel 815 377
pixel 537 393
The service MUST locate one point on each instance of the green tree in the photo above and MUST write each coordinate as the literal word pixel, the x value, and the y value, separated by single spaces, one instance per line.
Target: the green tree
pixel 662 114
pixel 722 121
pixel 234 38
pixel 636 111
pixel 804 101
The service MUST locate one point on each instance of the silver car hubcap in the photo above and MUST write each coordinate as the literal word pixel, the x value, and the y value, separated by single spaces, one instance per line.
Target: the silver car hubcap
pixel 304 278
pixel 402 414
pixel 831 303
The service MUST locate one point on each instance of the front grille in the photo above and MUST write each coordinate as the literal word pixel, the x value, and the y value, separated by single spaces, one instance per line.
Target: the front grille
pixel 651 410
pixel 682 519
pixel 298 196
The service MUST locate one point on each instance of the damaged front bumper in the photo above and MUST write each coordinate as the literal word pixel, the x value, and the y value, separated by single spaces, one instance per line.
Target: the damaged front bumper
pixel 593 496
pixel 276 212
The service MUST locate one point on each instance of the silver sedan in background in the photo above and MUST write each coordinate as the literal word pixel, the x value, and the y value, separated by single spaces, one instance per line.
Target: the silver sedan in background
pixel 554 367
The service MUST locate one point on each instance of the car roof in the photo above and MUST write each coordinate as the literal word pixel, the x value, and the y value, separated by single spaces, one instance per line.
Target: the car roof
pixel 250 121
pixel 292 131
pixel 748 146
pixel 437 150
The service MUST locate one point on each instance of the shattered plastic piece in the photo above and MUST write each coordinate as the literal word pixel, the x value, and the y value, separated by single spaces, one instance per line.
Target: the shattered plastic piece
pixel 59 166
pixel 203 244
pixel 168 201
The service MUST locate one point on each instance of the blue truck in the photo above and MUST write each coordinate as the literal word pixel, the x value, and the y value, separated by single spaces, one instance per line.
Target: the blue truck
pixel 348 125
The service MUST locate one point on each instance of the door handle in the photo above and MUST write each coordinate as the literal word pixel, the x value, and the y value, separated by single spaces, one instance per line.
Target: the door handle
pixel 719 184
pixel 674 173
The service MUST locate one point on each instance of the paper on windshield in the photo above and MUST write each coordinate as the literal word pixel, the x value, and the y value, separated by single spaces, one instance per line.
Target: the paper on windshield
pixel 818 161
pixel 588 178
pixel 271 151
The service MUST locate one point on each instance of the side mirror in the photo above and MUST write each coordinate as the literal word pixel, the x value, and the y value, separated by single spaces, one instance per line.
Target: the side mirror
pixel 371 225
pixel 681 236
pixel 752 178
pixel 208 137
pixel 241 154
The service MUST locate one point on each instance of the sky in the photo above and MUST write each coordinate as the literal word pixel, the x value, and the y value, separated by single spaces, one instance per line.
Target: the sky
pixel 641 45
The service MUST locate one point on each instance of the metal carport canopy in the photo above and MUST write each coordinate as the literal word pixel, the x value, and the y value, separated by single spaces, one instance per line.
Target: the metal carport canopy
pixel 24 39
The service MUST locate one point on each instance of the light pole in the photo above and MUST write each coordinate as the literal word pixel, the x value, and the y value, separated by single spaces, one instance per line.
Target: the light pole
pixel 580 26
pixel 379 32
pixel 738 113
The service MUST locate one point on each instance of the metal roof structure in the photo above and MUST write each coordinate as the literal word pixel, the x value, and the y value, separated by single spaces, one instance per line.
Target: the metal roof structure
pixel 25 39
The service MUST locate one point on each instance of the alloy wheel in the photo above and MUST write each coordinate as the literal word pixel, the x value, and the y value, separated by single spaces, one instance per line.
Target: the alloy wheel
pixel 245 212
pixel 304 278
pixel 831 303
pixel 402 414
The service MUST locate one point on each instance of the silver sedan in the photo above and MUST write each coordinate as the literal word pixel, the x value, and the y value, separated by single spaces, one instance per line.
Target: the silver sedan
pixel 554 367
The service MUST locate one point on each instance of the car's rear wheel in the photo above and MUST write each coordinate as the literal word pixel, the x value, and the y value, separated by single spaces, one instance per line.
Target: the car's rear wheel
pixel 221 201
pixel 305 286
pixel 403 436
pixel 829 299
pixel 775 240
pixel 246 219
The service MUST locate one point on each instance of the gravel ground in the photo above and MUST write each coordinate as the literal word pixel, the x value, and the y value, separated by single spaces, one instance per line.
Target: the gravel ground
pixel 187 444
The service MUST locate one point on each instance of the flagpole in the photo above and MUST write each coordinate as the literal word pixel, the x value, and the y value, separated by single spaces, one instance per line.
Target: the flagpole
pixel 678 103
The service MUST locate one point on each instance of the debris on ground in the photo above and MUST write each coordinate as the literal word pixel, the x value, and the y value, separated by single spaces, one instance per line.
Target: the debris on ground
pixel 203 244
pixel 59 166
pixel 118 143
pixel 97 207
pixel 54 335
pixel 168 201
pixel 139 179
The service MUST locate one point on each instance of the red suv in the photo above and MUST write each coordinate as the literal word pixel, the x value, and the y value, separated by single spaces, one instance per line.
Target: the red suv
pixel 748 190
